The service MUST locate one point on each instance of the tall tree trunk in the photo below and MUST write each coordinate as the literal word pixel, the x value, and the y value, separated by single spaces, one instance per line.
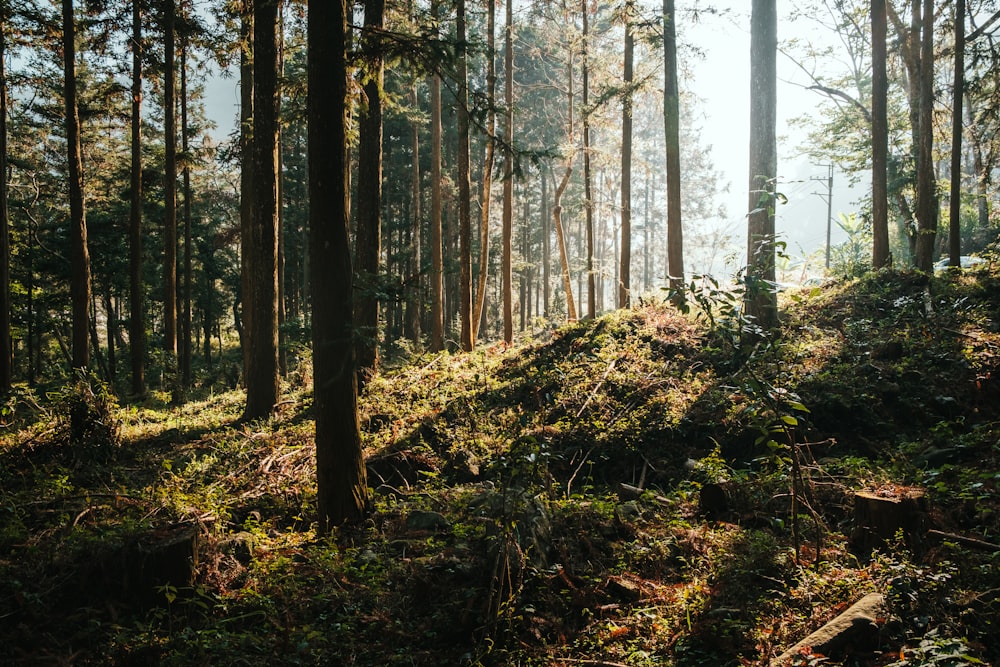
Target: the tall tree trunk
pixel 486 193
pixel 927 210
pixel 546 240
pixel 185 329
pixel 137 316
pixel 169 191
pixel 262 329
pixel 761 300
pixel 464 187
pixel 625 263
pixel 557 198
pixel 955 204
pixel 508 177
pixel 671 125
pixel 588 195
pixel 341 483
pixel 79 287
pixel 436 236
pixel 368 239
pixel 6 356
pixel 246 178
pixel 880 139
pixel 282 232
pixel 413 300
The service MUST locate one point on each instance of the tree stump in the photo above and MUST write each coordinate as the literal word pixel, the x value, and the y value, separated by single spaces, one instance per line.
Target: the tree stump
pixel 880 515
pixel 856 630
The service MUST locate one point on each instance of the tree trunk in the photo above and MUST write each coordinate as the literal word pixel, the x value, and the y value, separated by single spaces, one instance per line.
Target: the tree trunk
pixel 926 186
pixel 880 139
pixel 185 329
pixel 671 125
pixel 368 238
pixel 413 301
pixel 436 236
pixel 588 196
pixel 508 177
pixel 955 204
pixel 625 262
pixel 464 187
pixel 546 240
pixel 262 329
pixel 761 300
pixel 169 192
pixel 137 316
pixel 6 356
pixel 341 484
pixel 246 178
pixel 79 253
pixel 486 193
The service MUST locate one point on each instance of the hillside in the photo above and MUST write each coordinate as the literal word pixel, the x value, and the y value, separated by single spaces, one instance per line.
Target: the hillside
pixel 644 489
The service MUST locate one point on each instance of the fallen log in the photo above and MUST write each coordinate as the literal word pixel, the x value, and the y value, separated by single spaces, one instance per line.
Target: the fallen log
pixel 970 542
pixel 856 629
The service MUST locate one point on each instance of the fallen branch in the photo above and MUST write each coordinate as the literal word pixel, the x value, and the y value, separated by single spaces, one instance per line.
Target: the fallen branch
pixel 593 393
pixel 970 542
pixel 591 663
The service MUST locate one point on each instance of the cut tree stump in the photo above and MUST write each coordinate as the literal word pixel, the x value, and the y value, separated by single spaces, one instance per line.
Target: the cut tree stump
pixel 854 631
pixel 880 515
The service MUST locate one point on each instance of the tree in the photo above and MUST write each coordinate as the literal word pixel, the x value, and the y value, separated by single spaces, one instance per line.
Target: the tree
pixel 624 271
pixel 137 315
pixel 341 484
pixel 761 300
pixel 671 126
pixel 262 374
pixel 6 358
pixel 927 205
pixel 79 253
pixel 588 196
pixel 508 175
pixel 880 139
pixel 169 189
pixel 486 192
pixel 368 239
pixel 436 232
pixel 955 203
pixel 464 186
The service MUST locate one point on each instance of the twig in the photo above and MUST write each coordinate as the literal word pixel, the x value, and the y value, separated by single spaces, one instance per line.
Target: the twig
pixel 593 393
pixel 591 663
pixel 970 542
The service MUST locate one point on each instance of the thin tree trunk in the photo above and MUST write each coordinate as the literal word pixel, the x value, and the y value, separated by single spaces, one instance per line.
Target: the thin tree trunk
pixel 6 354
pixel 508 178
pixel 486 194
pixel 341 483
pixel 282 293
pixel 137 316
pixel 955 205
pixel 185 341
pixel 414 293
pixel 588 201
pixel 368 238
pixel 926 186
pixel 464 187
pixel 246 179
pixel 436 236
pixel 625 263
pixel 169 192
pixel 671 124
pixel 79 253
pixel 546 240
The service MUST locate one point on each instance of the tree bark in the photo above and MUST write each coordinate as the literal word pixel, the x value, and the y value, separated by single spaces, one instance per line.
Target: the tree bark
pixel 761 300
pixel 413 302
pixel 6 357
pixel 368 235
pixel 464 187
pixel 486 194
pixel 671 124
pixel 262 329
pixel 588 197
pixel 246 178
pixel 169 191
pixel 79 253
pixel 955 203
pixel 880 139
pixel 185 328
pixel 508 178
pixel 137 316
pixel 436 236
pixel 341 483
pixel 927 210
pixel 625 262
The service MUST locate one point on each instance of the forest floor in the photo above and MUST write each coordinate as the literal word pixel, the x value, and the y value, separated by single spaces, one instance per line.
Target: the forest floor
pixel 647 488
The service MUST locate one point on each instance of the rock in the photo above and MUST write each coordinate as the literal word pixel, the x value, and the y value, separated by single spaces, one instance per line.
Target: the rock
pixel 855 630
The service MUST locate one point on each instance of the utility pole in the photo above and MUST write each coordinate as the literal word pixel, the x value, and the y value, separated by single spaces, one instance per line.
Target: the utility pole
pixel 828 198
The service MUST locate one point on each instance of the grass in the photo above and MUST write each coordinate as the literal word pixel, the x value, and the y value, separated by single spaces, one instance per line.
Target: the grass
pixel 506 527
